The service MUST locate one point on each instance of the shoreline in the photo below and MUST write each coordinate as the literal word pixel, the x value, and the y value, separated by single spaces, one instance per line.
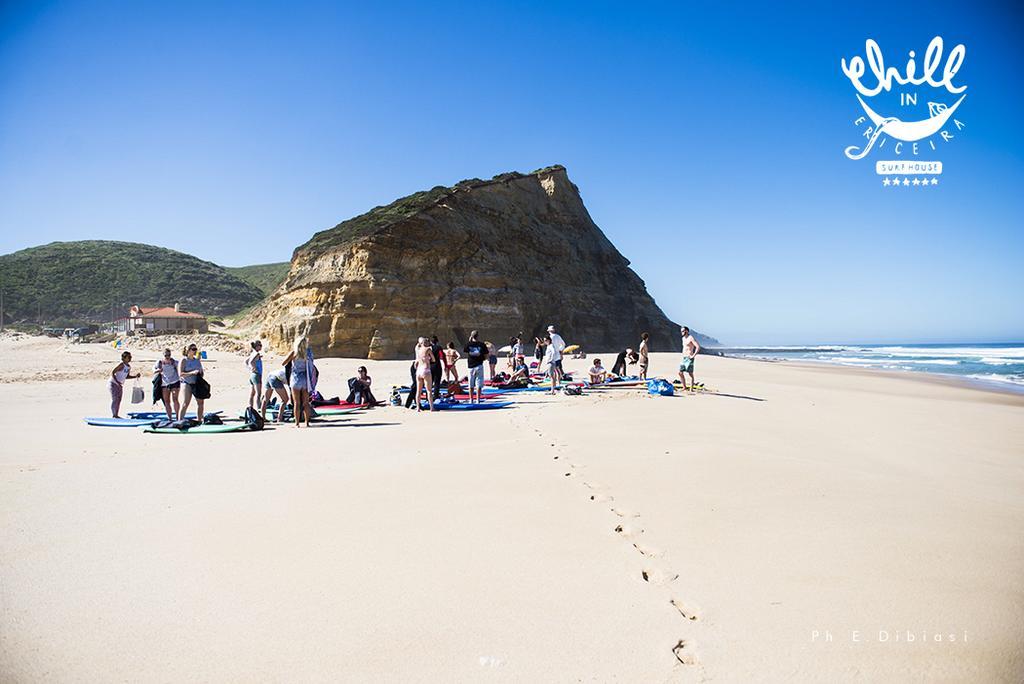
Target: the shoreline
pixel 948 379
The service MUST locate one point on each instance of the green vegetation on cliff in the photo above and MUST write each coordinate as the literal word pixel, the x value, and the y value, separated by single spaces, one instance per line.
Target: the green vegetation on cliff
pixel 84 281
pixel 264 277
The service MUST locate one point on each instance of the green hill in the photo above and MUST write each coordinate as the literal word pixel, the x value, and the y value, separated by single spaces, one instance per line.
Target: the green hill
pixel 71 282
pixel 264 277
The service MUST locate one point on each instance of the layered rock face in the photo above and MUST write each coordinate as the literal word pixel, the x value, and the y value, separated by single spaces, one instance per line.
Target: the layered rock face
pixel 513 254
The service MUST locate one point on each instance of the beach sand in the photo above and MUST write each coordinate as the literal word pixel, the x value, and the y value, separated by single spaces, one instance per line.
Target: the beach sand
pixel 794 526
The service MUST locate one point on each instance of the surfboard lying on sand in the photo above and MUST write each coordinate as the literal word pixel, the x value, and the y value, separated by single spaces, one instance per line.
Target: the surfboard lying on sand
pixel 336 410
pixel 122 422
pixel 199 429
pixel 160 415
pixel 445 406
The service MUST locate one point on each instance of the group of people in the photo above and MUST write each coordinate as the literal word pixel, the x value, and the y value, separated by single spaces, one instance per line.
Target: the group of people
pixel 173 377
pixel 294 383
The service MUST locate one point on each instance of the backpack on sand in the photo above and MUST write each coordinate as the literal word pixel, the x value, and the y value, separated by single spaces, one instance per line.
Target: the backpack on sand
pixel 253 419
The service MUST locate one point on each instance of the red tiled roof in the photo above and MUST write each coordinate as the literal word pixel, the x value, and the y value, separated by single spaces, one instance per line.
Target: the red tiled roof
pixel 166 312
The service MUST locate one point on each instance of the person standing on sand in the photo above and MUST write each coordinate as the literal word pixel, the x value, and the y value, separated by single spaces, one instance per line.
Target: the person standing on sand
pixel 556 341
pixel 451 357
pixel 170 382
pixel 538 351
pixel 476 354
pixel 301 380
pixel 424 361
pixel 492 358
pixel 643 355
pixel 691 347
pixel 553 361
pixel 121 372
pixel 254 364
pixel 189 370
pixel 435 365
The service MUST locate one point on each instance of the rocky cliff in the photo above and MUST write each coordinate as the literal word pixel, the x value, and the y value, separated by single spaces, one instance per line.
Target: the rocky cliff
pixel 515 253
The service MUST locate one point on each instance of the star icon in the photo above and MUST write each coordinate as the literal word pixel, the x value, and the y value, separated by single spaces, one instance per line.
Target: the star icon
pixel 895 182
pixel 935 181
pixel 917 182
pixel 885 181
pixel 906 181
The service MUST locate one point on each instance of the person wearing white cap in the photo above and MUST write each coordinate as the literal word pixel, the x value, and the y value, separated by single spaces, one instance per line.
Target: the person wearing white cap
pixel 559 345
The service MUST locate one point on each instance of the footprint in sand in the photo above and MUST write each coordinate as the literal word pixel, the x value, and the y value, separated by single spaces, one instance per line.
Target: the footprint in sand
pixel 625 513
pixel 628 531
pixel 656 574
pixel 602 497
pixel 649 551
pixel 688 611
pixel 684 652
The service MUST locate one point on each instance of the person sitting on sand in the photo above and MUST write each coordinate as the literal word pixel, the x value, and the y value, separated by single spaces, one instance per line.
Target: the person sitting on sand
pixel 254 364
pixel 476 355
pixel 451 356
pixel 121 372
pixel 275 382
pixel 424 381
pixel 625 356
pixel 691 347
pixel 597 372
pixel 301 380
pixel 170 382
pixel 359 389
pixel 190 370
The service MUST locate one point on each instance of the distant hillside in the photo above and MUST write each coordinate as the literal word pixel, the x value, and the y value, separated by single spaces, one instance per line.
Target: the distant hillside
pixel 81 281
pixel 264 277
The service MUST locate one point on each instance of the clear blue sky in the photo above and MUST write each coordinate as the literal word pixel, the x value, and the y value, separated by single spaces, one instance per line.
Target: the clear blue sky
pixel 707 143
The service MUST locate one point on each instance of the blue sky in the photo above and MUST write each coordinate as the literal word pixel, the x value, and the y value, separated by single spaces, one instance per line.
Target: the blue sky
pixel 707 143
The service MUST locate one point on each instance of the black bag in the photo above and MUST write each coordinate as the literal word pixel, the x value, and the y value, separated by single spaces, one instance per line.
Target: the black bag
pixel 212 419
pixel 253 419
pixel 158 388
pixel 201 390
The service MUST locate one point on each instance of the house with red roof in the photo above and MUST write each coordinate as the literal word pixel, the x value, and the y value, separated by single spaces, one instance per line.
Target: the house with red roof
pixel 161 320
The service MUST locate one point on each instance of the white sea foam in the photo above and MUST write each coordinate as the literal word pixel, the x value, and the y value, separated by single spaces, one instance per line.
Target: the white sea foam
pixel 1011 379
pixel 959 352
pixel 1000 361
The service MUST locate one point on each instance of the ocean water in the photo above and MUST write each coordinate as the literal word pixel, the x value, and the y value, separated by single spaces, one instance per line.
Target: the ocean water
pixel 999 364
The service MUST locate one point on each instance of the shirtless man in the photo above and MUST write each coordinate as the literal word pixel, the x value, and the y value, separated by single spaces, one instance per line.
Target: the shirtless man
pixel 691 347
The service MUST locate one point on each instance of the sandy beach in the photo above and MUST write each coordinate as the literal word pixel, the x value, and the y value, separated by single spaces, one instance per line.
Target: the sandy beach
pixel 794 525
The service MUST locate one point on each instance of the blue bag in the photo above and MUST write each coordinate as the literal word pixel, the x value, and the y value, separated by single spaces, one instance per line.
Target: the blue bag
pixel 660 387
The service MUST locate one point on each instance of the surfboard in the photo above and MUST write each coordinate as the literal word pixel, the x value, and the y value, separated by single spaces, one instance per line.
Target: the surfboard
pixel 443 406
pixel 336 411
pixel 159 415
pixel 199 429
pixel 121 422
